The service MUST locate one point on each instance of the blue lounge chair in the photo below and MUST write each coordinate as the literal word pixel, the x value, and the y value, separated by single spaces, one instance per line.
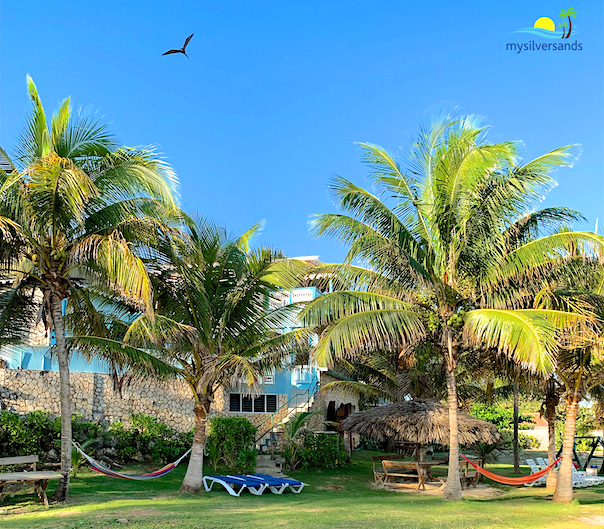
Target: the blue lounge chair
pixel 279 485
pixel 255 486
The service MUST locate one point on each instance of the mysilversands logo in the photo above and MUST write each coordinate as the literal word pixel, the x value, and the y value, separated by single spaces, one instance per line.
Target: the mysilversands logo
pixel 545 27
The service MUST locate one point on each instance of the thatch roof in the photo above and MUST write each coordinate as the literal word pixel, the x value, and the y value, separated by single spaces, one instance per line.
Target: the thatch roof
pixel 418 421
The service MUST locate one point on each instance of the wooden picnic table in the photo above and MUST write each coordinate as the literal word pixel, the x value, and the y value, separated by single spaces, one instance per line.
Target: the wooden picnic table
pixel 420 471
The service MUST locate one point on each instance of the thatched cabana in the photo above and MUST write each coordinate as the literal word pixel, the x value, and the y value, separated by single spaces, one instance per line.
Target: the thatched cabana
pixel 418 421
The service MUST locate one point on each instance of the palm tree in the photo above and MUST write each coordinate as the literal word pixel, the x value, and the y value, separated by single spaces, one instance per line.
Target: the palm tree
pixel 213 322
pixel 73 205
pixel 295 431
pixel 435 254
pixel 581 369
pixel 563 25
pixel 568 14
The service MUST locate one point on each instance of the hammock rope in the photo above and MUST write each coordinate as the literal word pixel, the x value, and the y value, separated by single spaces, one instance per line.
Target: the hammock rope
pixel 512 481
pixel 102 469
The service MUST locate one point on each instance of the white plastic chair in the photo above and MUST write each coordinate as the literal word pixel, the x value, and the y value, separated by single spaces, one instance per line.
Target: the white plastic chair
pixel 534 468
pixel 580 478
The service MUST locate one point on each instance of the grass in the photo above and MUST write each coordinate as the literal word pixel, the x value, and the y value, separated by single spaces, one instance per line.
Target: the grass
pixel 339 498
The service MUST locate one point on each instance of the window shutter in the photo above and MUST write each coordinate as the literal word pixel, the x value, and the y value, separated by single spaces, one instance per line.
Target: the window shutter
pixel 246 404
pixel 271 403
pixel 235 402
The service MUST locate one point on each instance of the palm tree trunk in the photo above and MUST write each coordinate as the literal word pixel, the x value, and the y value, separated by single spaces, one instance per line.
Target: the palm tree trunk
pixel 570 27
pixel 551 401
pixel 193 481
pixel 56 311
pixel 516 418
pixel 453 486
pixel 564 487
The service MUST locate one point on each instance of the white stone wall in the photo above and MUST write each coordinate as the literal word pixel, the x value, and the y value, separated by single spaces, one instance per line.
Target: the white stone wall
pixel 92 395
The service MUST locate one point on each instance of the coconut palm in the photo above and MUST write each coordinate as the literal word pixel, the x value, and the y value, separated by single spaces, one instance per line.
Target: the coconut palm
pixel 580 362
pixel 214 323
pixel 569 13
pixel 74 206
pixel 563 25
pixel 433 256
pixel 295 431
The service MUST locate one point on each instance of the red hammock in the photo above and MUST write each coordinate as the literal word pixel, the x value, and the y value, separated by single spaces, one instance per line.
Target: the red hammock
pixel 512 481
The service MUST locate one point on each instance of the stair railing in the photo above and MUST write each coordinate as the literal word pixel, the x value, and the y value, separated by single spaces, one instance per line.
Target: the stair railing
pixel 310 393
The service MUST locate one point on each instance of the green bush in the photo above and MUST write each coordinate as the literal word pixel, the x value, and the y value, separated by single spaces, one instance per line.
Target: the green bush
pixel 500 416
pixel 39 433
pixel 323 451
pixel 526 442
pixel 230 438
pixel 370 444
pixel 33 433
pixel 148 438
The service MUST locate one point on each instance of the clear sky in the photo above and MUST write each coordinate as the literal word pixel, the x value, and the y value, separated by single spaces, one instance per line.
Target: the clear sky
pixel 275 94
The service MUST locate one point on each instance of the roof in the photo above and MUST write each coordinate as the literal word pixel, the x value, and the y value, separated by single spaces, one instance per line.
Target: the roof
pixel 419 421
pixel 311 259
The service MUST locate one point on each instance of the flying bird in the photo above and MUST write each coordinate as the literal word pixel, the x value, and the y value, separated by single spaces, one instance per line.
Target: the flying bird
pixel 181 50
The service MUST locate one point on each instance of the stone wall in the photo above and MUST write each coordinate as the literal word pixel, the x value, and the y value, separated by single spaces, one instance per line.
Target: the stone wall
pixel 93 396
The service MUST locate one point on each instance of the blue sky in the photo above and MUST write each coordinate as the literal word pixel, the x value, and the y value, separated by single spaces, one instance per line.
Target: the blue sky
pixel 275 94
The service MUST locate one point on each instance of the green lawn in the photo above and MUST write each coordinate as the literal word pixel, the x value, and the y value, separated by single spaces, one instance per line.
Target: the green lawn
pixel 341 498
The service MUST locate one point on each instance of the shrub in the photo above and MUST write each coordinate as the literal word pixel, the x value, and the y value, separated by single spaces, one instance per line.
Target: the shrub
pixel 33 433
pixel 39 433
pixel 500 416
pixel 246 462
pixel 370 444
pixel 231 437
pixel 148 438
pixel 526 442
pixel 323 451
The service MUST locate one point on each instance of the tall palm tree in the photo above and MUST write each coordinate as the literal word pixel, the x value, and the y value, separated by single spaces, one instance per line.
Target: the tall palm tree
pixel 580 362
pixel 74 208
pixel 440 247
pixel 214 321
pixel 569 13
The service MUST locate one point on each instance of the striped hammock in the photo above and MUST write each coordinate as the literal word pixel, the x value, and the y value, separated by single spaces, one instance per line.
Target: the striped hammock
pixel 102 469
pixel 512 481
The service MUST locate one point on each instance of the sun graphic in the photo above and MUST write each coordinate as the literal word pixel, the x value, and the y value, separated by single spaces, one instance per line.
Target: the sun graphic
pixel 545 23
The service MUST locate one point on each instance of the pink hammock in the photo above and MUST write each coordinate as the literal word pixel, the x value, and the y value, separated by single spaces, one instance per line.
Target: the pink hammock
pixel 512 481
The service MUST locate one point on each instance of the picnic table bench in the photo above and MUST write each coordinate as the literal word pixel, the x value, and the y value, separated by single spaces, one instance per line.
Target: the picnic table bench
pixel 419 471
pixel 468 475
pixel 378 469
pixel 36 478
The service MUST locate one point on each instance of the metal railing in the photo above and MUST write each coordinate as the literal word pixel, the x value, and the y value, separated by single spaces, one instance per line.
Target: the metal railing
pixel 310 393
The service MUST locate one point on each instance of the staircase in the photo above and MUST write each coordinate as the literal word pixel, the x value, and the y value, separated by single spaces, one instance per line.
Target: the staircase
pixel 271 429
pixel 268 464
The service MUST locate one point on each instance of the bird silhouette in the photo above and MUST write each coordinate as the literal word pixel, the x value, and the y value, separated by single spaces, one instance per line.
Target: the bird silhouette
pixel 181 50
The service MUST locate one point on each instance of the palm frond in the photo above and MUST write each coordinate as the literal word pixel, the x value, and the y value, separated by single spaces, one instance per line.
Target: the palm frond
pixel 370 330
pixel 530 337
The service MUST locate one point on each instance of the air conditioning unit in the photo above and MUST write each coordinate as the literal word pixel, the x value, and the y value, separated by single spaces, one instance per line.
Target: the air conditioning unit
pixel 269 379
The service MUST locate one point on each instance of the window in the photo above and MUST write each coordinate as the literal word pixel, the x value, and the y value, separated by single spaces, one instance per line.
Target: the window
pixel 247 404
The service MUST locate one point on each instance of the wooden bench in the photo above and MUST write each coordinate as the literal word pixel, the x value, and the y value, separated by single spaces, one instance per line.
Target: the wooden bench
pixel 394 471
pixel 378 469
pixel 468 475
pixel 35 478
